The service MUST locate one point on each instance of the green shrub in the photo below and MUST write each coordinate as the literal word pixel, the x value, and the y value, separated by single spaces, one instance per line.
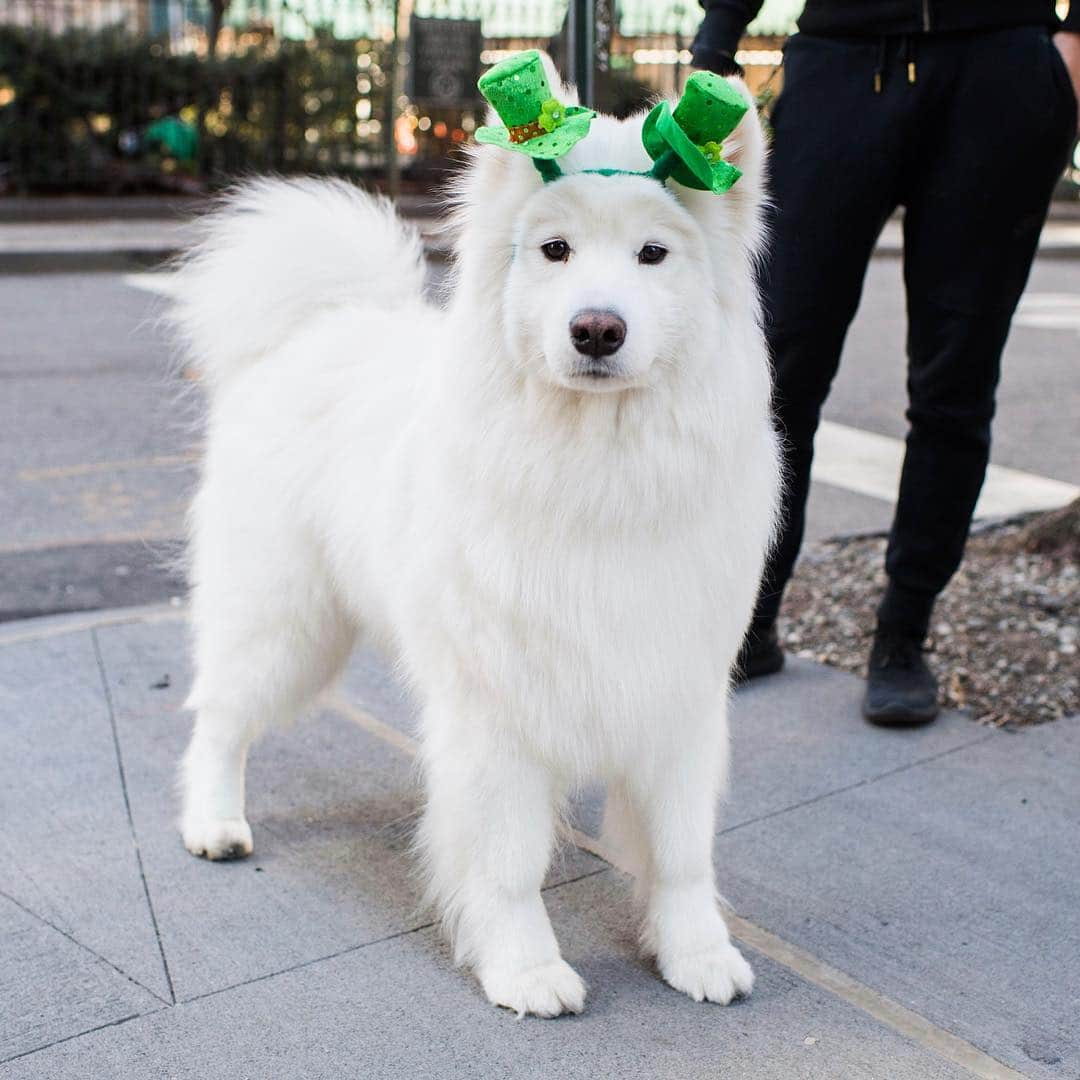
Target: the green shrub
pixel 75 107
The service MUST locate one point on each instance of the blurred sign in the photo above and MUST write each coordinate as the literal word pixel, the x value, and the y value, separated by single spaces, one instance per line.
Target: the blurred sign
pixel 445 61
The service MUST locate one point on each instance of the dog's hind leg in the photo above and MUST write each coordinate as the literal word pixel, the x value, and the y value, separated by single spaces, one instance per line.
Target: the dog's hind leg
pixel 674 798
pixel 269 635
pixel 624 836
pixel 486 839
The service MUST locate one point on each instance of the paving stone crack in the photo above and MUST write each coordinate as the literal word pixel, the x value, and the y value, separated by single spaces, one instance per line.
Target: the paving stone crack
pixel 802 963
pixel 258 979
pixel 855 786
pixel 867 1000
pixel 127 807
pixel 81 1034
pixel 360 946
pixel 82 945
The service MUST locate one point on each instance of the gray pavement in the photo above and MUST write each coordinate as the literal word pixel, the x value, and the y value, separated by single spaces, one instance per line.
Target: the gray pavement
pixel 97 429
pixel 926 875
pixel 120 242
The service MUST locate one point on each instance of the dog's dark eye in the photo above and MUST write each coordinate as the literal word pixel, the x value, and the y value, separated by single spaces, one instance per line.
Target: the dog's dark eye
pixel 651 254
pixel 556 250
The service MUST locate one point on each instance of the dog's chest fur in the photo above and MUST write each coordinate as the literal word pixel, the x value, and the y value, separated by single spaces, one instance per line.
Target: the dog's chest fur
pixel 580 568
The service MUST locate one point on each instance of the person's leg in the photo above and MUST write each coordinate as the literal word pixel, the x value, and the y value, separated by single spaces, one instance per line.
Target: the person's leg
pixel 834 167
pixel 997 120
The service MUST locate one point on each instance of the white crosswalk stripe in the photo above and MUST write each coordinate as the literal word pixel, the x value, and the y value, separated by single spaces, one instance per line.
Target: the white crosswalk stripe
pixel 1049 311
pixel 869 464
pixel 159 283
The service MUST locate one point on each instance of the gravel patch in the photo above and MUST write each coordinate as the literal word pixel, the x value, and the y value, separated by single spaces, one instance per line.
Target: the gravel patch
pixel 1003 639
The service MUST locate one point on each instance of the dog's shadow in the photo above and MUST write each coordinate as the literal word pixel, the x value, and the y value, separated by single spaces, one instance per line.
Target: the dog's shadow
pixel 334 832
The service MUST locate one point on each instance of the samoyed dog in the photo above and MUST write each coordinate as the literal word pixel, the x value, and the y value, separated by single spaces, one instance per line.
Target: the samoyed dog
pixel 549 502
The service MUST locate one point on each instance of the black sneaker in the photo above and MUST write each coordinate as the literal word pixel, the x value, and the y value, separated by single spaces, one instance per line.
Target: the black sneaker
pixel 760 655
pixel 901 691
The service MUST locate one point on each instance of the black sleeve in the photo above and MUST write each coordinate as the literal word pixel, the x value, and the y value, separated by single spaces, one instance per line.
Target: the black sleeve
pixel 1071 22
pixel 720 30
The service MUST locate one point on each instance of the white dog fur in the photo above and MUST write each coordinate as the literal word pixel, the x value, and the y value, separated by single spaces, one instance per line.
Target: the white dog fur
pixel 563 567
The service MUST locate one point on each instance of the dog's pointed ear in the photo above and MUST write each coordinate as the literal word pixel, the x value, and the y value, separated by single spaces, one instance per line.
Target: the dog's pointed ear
pixel 565 92
pixel 747 148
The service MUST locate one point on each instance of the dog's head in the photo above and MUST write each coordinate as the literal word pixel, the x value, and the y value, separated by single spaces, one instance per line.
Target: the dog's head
pixel 602 283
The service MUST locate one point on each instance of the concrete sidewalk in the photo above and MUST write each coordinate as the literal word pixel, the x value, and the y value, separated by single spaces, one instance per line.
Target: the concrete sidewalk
pixel 78 246
pixel 908 898
pixel 52 240
pixel 123 243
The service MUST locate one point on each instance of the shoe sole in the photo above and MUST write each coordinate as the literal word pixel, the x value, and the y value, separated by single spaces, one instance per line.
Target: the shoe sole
pixel 901 716
pixel 741 678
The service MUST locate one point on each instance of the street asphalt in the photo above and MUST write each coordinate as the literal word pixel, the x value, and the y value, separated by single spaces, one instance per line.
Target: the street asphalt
pixel 100 427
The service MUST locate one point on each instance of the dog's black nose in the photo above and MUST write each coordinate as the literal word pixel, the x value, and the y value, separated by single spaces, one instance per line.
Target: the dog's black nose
pixel 597 333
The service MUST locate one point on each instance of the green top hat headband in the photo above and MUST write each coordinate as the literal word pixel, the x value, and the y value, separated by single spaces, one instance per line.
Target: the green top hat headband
pixel 685 143
pixel 536 123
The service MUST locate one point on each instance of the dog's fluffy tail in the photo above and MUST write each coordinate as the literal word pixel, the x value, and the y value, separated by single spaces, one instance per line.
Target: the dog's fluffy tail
pixel 278 251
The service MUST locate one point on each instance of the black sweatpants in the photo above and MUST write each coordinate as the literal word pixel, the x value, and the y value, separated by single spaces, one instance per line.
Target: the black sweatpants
pixel 971 149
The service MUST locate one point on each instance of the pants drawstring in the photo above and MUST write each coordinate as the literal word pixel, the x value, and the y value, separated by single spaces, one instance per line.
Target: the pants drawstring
pixel 909 58
pixel 907 52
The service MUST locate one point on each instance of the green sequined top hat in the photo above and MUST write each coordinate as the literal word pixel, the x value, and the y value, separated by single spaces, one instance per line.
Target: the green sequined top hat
pixel 536 123
pixel 686 143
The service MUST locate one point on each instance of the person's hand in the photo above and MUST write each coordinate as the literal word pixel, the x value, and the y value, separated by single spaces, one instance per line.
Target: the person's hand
pixel 1068 44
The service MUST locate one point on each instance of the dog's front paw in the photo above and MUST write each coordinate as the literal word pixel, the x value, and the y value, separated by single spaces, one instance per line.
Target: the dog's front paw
pixel 719 973
pixel 545 990
pixel 224 838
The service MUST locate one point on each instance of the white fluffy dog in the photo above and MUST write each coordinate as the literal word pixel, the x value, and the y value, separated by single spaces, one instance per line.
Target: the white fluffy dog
pixel 550 504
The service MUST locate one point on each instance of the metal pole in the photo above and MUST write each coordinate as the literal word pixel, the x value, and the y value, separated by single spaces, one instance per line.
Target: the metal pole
pixel 393 88
pixel 581 46
pixel 399 58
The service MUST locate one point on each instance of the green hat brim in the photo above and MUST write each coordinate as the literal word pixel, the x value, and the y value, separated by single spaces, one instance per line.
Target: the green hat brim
pixel 660 133
pixel 550 146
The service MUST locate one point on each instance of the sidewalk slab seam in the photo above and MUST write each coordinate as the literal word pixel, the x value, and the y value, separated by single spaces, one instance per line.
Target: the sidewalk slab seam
pixel 794 807
pixel 268 976
pixel 926 911
pixel 81 945
pixel 299 764
pixel 106 691
pixel 82 1034
pixel 59 795
pixel 82 988
pixel 403 1010
pixel 331 807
